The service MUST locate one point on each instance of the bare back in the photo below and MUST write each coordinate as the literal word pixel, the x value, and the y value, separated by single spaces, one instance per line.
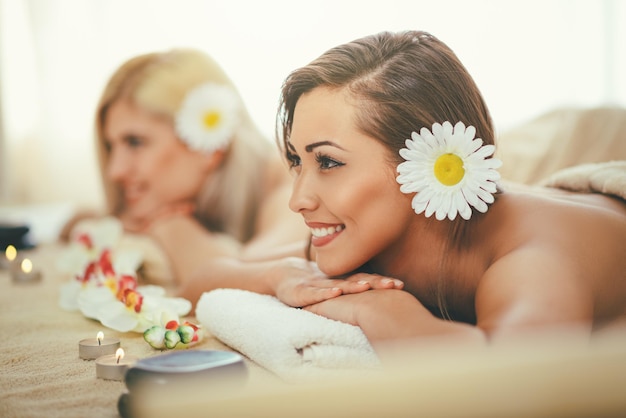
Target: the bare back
pixel 557 257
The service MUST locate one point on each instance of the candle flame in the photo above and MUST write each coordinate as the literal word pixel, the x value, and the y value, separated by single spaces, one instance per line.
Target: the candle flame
pixel 100 337
pixel 11 253
pixel 27 265
pixel 119 354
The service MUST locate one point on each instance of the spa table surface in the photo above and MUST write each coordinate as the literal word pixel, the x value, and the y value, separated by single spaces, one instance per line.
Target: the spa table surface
pixel 41 374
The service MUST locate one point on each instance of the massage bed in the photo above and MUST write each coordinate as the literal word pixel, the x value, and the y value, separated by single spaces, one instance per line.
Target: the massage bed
pixel 537 376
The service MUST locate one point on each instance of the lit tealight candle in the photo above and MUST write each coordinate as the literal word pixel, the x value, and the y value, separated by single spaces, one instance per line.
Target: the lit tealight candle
pixel 114 366
pixel 92 348
pixel 25 273
pixel 10 255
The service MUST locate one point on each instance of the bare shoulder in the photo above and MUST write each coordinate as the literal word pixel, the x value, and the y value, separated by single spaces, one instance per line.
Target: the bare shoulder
pixel 585 201
pixel 560 258
pixel 276 189
pixel 529 287
pixel 574 221
pixel 277 172
pixel 277 186
pixel 276 225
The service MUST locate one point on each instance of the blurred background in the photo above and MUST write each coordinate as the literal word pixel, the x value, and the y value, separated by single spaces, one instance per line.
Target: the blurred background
pixel 528 57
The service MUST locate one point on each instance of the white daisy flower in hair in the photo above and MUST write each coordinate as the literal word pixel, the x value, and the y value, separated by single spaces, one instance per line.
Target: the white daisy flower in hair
pixel 449 170
pixel 208 117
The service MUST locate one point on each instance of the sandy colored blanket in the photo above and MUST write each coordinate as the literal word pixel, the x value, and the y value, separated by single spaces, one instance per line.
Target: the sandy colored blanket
pixel 559 139
pixel 42 375
pixel 41 372
pixel 607 178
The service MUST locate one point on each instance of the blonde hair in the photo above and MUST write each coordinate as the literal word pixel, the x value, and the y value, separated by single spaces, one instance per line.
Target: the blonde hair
pixel 158 82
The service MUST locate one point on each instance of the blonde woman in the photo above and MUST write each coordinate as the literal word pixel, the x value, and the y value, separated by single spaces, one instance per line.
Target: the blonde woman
pixel 182 161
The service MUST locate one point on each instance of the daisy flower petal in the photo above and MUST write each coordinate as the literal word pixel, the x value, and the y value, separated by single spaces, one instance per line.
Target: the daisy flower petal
pixel 208 117
pixel 485 196
pixel 462 206
pixel 445 208
pixel 450 171
pixel 418 206
pixel 427 138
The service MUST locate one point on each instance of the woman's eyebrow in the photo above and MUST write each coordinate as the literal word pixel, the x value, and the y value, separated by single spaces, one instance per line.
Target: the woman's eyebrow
pixel 314 145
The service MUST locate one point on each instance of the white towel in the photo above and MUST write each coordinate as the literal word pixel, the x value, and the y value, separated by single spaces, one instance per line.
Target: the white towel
pixel 294 344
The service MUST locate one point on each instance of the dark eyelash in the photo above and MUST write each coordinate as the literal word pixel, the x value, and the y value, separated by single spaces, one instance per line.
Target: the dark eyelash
pixel 293 159
pixel 134 140
pixel 323 159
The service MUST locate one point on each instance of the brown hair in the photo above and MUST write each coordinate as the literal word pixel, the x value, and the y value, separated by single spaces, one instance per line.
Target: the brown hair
pixel 403 81
pixel 400 82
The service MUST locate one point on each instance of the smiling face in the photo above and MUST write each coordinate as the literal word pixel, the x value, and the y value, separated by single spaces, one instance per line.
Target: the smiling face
pixel 345 185
pixel 148 163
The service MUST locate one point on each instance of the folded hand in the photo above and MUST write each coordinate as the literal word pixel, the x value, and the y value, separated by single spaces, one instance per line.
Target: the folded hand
pixel 303 284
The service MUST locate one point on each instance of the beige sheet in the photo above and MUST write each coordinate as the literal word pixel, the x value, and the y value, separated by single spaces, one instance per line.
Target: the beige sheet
pixel 557 375
pixel 606 177
pixel 41 374
pixel 559 139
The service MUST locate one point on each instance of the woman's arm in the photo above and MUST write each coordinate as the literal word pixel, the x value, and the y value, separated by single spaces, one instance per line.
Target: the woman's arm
pixel 523 292
pixel 295 281
pixel 534 288
pixel 393 314
pixel 279 232
pixel 188 244
pixel 66 230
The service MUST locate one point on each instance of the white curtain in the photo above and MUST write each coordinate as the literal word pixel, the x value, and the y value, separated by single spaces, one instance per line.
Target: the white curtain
pixel 55 56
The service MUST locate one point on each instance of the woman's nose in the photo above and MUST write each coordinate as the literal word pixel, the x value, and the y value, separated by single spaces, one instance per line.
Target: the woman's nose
pixel 303 197
pixel 117 166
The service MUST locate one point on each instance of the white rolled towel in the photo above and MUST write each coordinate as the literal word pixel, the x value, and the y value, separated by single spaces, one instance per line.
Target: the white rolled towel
pixel 294 344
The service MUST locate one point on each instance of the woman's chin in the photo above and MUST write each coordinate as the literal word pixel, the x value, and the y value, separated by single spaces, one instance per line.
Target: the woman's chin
pixel 331 268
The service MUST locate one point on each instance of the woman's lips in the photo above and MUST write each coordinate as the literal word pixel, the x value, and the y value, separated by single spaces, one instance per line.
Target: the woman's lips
pixel 132 194
pixel 322 234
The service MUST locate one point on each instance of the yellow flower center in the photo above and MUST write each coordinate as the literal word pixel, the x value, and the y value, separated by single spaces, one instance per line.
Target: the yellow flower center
pixel 449 169
pixel 211 119
pixel 132 299
pixel 111 283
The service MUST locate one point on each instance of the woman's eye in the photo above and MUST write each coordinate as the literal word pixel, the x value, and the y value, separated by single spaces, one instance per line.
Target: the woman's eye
pixel 326 163
pixel 294 160
pixel 133 141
